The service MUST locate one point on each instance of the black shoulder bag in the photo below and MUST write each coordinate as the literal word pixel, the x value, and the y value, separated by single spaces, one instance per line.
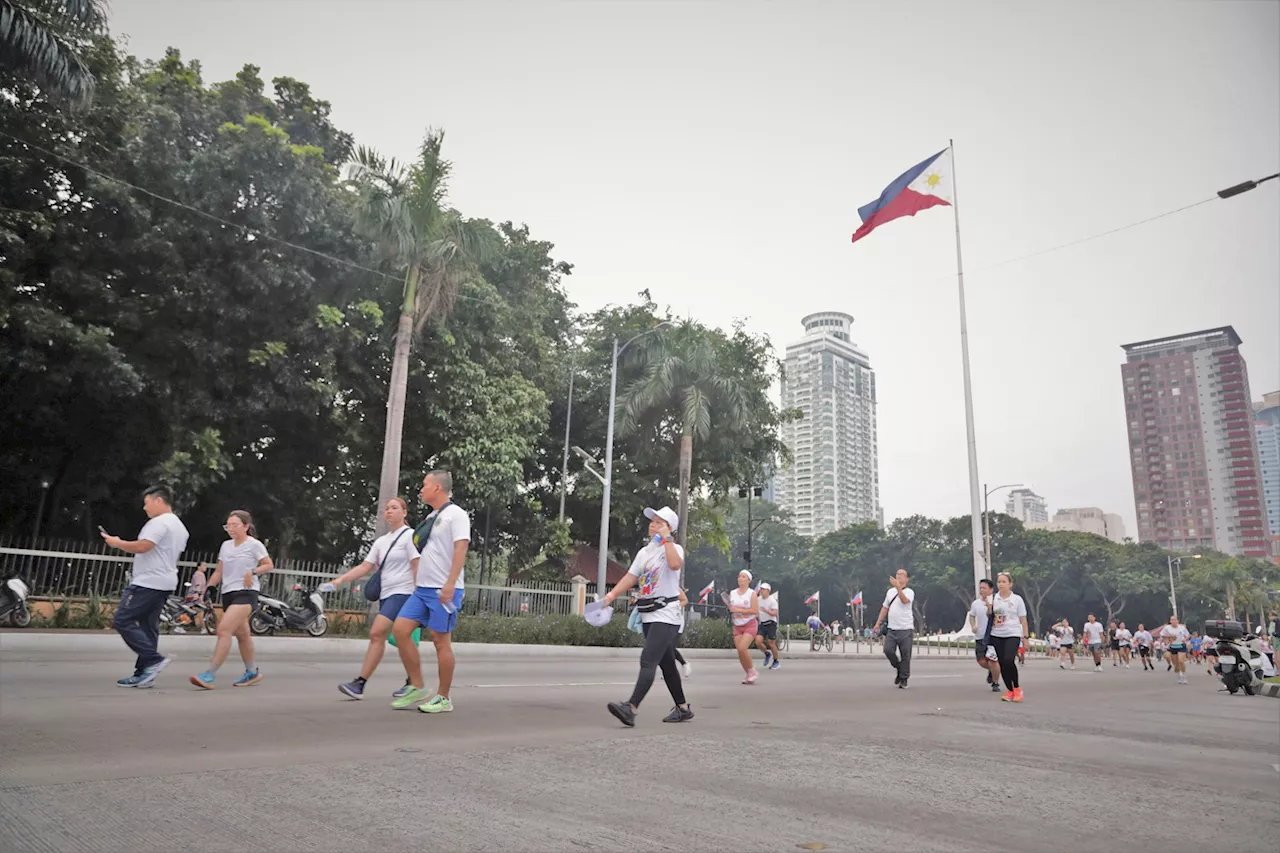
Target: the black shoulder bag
pixel 373 586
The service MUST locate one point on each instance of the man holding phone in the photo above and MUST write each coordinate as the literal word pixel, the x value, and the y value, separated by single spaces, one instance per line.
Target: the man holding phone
pixel 155 577
pixel 902 622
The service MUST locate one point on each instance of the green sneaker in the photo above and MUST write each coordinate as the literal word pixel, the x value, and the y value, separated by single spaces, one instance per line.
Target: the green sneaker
pixel 437 705
pixel 408 700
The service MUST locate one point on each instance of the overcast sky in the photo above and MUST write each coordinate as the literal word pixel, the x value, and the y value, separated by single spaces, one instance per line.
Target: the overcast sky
pixel 717 152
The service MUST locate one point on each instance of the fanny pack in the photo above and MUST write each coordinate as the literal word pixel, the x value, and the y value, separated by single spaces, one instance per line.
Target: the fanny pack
pixel 649 605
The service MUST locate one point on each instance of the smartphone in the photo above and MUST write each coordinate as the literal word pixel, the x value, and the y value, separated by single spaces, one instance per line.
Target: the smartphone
pixel 103 530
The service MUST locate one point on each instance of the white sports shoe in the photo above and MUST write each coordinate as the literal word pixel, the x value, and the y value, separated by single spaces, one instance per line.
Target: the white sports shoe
pixel 687 670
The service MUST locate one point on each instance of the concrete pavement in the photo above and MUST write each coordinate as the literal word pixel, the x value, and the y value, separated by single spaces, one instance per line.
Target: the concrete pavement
pixel 821 751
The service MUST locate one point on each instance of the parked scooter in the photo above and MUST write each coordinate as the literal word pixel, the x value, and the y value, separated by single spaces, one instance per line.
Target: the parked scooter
pixel 1241 661
pixel 179 614
pixel 13 603
pixel 273 615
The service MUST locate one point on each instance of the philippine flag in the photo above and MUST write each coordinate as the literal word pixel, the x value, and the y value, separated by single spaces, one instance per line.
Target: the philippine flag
pixel 815 597
pixel 921 187
pixel 706 590
pixel 857 599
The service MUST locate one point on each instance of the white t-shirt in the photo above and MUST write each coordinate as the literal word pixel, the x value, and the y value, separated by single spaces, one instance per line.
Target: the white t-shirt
pixel 1054 642
pixel 1176 635
pixel 658 580
pixel 1093 633
pixel 900 616
pixel 452 525
pixel 237 560
pixel 1008 615
pixel 767 607
pixel 978 610
pixel 397 571
pixel 1068 635
pixel 1124 635
pixel 741 599
pixel 1143 638
pixel 158 568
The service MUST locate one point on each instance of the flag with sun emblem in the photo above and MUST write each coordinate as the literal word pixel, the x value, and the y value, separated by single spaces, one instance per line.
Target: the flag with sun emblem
pixel 921 187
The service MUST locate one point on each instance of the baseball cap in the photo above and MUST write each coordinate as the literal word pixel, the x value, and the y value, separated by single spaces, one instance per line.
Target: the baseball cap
pixel 597 613
pixel 765 585
pixel 667 514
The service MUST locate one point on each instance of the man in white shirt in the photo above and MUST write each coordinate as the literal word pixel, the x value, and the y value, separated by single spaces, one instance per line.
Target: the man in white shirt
pixel 1093 631
pixel 979 619
pixel 897 639
pixel 155 577
pixel 437 596
pixel 767 631
pixel 1144 642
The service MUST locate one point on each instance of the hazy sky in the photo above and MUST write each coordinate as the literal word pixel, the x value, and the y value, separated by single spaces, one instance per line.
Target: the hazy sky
pixel 717 152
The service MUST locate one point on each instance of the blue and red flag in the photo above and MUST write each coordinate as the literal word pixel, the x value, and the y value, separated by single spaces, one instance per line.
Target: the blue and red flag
pixel 857 599
pixel 921 187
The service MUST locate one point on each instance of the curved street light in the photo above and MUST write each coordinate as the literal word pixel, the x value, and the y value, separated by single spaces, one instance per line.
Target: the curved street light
pixel 986 519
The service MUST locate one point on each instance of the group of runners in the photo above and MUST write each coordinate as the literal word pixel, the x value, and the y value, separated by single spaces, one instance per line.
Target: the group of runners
pixel 1172 643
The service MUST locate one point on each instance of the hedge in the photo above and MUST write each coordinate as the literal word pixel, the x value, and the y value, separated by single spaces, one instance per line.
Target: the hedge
pixel 574 631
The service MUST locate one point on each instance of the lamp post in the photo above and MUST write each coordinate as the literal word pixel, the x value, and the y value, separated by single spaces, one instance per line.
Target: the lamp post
pixel 986 520
pixel 1173 593
pixel 1246 186
pixel 44 493
pixel 746 492
pixel 601 568
pixel 564 471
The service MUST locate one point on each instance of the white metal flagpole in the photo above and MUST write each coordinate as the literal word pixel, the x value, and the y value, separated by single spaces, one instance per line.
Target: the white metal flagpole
pixel 975 499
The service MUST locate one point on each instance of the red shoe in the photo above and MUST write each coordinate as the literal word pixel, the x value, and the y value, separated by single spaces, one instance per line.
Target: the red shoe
pixel 1017 694
pixel 1007 697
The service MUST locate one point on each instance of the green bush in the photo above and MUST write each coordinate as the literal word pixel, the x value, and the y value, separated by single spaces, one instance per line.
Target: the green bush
pixel 573 631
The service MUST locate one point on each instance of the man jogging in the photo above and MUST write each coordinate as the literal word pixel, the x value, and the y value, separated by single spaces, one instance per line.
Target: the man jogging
pixel 1093 631
pixel 897 607
pixel 1144 641
pixel 979 618
pixel 155 577
pixel 767 635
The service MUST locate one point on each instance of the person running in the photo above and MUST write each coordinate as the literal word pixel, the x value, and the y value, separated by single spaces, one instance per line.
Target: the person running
pixel 656 568
pixel 1178 637
pixel 1195 643
pixel 979 619
pixel 1113 643
pixel 437 596
pixel 1144 643
pixel 1210 648
pixel 1067 635
pixel 1008 630
pixel 1093 631
pixel 743 607
pixel 767 636
pixel 394 557
pixel 897 608
pixel 242 559
pixel 1054 643
pixel 1125 638
pixel 154 578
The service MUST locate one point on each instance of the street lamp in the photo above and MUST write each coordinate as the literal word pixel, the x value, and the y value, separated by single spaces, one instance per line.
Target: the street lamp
pixel 44 493
pixel 1170 560
pixel 587 459
pixel 1245 187
pixel 601 569
pixel 564 471
pixel 986 519
pixel 747 492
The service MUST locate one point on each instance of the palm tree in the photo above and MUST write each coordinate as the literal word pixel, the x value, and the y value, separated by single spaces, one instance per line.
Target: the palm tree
pixel 44 39
pixel 683 379
pixel 402 209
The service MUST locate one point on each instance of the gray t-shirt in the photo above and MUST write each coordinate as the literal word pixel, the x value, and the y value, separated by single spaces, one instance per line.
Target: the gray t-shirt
pixel 158 568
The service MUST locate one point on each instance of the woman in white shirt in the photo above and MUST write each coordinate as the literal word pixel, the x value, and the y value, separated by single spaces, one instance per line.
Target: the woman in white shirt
pixel 1176 636
pixel 1125 636
pixel 394 556
pixel 744 607
pixel 1008 628
pixel 242 559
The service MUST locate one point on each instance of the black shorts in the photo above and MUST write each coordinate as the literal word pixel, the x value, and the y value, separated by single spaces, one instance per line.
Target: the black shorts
pixel 768 630
pixel 1068 647
pixel 240 596
pixel 1210 651
pixel 1115 645
pixel 1178 649
pixel 980 649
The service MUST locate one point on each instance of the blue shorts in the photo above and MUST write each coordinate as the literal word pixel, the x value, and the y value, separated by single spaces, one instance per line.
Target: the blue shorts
pixel 425 608
pixel 390 606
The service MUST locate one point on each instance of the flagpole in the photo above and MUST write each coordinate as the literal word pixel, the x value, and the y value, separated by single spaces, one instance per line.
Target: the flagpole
pixel 975 501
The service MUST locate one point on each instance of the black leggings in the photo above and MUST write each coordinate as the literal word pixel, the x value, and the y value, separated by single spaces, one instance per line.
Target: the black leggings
pixel 1007 654
pixel 659 651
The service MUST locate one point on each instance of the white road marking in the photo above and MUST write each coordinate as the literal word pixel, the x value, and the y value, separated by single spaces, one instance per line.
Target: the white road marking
pixel 914 677
pixel 563 684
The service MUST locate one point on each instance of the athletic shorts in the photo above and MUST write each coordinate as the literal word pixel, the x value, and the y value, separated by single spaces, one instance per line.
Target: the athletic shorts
pixel 1178 649
pixel 426 608
pixel 749 630
pixel 1095 647
pixel 769 630
pixel 980 650
pixel 391 605
pixel 1145 651
pixel 1115 646
pixel 1069 647
pixel 240 596
pixel 1211 651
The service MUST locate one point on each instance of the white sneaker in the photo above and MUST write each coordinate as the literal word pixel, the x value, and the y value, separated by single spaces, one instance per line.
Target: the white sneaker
pixel 1097 668
pixel 687 670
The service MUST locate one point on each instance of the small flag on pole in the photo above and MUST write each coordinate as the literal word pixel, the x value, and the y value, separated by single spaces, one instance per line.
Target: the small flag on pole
pixel 815 597
pixel 857 599
pixel 921 187
pixel 706 591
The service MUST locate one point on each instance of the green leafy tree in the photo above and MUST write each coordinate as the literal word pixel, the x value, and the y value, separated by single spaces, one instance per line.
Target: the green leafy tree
pixel 46 41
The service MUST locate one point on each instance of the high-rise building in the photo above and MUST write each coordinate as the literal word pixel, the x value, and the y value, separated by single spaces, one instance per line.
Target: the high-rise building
pixel 1192 446
pixel 833 479
pixel 1266 425
pixel 1026 506
pixel 1086 519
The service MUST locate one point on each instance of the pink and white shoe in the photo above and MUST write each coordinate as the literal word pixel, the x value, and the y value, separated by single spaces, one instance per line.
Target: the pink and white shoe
pixel 752 675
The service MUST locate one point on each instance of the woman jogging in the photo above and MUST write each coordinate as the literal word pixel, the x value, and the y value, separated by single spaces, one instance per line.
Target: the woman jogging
pixel 1113 644
pixel 1008 628
pixel 1125 636
pixel 657 569
pixel 394 557
pixel 1144 642
pixel 242 559
pixel 1177 636
pixel 1067 636
pixel 744 606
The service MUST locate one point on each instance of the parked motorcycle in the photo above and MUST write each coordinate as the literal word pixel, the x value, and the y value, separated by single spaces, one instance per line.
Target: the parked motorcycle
pixel 273 615
pixel 1241 662
pixel 13 603
pixel 179 614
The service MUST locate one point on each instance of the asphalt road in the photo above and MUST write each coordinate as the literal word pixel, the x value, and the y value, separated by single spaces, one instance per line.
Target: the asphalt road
pixel 821 751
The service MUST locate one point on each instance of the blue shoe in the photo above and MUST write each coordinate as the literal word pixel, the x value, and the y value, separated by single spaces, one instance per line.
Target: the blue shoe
pixel 776 665
pixel 249 677
pixel 204 679
pixel 354 689
pixel 148 676
pixel 768 659
pixel 130 681
pixel 403 691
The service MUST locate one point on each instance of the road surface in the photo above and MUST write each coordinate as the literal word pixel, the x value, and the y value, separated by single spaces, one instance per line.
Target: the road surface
pixel 822 751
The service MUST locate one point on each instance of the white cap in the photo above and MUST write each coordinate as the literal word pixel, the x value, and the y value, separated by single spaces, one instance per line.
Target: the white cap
pixel 667 514
pixel 765 585
pixel 745 572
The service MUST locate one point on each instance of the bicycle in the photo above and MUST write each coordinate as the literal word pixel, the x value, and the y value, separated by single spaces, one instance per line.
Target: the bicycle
pixel 821 639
